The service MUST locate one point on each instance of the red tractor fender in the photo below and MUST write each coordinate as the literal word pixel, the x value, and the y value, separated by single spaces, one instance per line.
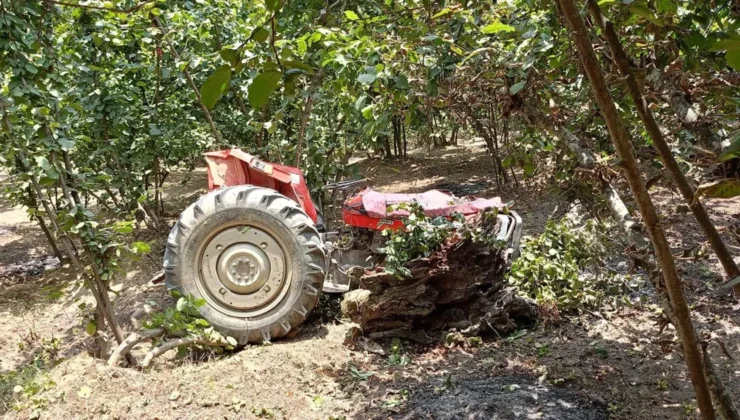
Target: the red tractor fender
pixel 232 167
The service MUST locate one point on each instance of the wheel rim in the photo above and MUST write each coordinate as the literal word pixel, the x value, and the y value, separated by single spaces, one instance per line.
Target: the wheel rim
pixel 243 270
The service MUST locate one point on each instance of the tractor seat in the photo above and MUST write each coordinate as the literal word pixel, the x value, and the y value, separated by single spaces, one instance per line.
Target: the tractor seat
pixel 435 203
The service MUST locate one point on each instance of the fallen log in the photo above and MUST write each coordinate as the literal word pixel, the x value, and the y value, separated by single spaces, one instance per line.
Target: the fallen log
pixel 459 286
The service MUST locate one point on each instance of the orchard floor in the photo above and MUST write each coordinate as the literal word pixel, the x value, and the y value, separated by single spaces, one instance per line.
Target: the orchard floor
pixel 610 365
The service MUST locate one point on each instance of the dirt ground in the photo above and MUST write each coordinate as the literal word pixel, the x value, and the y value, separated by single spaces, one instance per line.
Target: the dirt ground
pixel 598 366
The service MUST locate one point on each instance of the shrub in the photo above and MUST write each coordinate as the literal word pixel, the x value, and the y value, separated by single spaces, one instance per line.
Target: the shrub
pixel 554 267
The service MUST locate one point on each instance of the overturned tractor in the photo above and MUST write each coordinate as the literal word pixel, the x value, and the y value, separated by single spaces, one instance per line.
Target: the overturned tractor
pixel 256 249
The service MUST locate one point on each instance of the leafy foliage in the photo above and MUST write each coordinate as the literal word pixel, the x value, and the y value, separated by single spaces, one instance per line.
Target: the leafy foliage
pixel 551 267
pixel 184 320
pixel 420 236
pixel 397 356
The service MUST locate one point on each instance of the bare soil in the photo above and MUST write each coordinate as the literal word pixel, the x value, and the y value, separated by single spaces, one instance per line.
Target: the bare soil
pixel 611 365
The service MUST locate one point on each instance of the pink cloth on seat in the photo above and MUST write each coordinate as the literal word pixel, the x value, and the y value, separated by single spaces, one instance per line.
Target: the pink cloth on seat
pixel 434 202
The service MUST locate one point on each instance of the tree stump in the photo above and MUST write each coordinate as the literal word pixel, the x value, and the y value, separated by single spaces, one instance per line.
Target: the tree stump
pixel 460 286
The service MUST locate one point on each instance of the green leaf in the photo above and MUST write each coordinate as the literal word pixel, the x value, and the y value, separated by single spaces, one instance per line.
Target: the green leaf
pixel 360 102
pixel 496 27
pixel 366 78
pixel 141 248
pixel 260 34
pixel 529 168
pixel 733 150
pixel 402 82
pixel 182 303
pixel 91 328
pixel 725 188
pixel 514 89
pixel 215 86
pixel 646 13
pixel 728 44
pixel 351 15
pixel 444 12
pixel 66 144
pixel 272 5
pixel 733 59
pixel 229 55
pixel 231 340
pixel 367 112
pixel 666 7
pixel 123 229
pixel 432 87
pixel 359 374
pixel 43 162
pixel 261 88
pixel 294 64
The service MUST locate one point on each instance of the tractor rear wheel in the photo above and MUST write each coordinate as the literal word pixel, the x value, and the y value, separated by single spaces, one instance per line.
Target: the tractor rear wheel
pixel 253 255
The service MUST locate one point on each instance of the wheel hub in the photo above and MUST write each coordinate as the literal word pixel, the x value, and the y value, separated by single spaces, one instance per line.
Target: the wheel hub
pixel 243 268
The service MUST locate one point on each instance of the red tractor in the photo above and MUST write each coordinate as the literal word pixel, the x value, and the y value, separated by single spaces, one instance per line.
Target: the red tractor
pixel 255 247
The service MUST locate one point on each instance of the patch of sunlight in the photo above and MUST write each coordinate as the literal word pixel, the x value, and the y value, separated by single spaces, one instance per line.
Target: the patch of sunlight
pixel 15 215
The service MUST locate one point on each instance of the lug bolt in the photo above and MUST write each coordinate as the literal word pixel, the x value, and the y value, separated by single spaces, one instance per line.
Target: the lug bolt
pixel 219 248
pixel 267 289
pixel 222 291
pixel 251 265
pixel 263 245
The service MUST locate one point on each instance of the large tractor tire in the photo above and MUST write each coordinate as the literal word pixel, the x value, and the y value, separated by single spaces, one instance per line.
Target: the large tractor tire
pixel 253 255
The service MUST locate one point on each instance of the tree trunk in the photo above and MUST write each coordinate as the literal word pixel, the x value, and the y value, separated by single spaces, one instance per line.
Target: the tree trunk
pixel 623 145
pixel 623 217
pixel 405 144
pixel 394 125
pixel 623 63
pixel 510 148
pixel 308 105
pixel 497 154
pixel 386 145
pixel 50 238
pixel 70 174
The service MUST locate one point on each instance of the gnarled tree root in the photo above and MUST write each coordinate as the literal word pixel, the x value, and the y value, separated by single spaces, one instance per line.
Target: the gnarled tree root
pixel 124 349
pixel 135 338
pixel 172 344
